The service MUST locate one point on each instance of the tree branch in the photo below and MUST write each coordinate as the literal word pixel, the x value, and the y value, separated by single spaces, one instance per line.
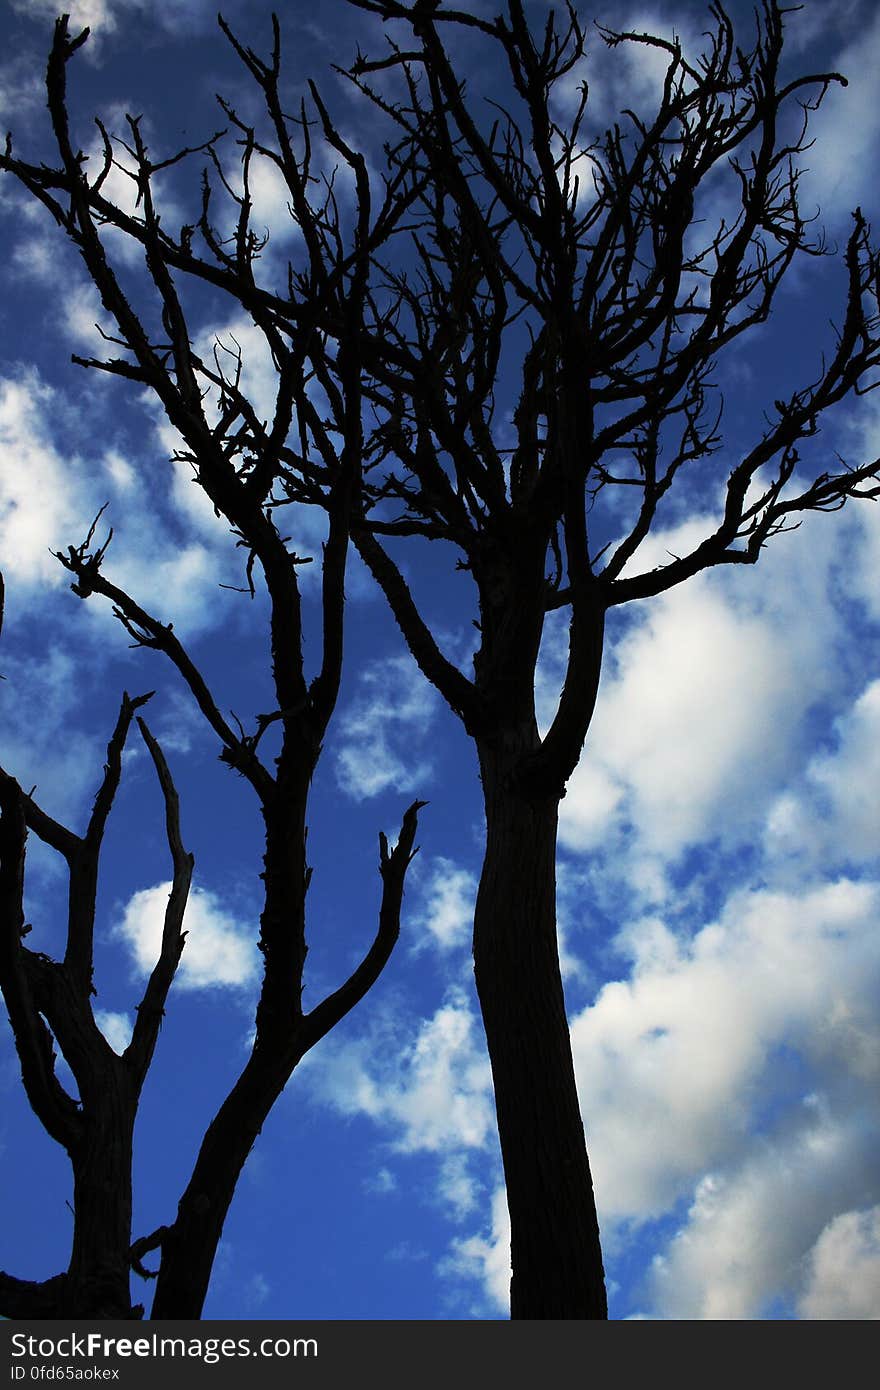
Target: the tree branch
pixel 151 1009
pixel 393 864
pixel 56 1110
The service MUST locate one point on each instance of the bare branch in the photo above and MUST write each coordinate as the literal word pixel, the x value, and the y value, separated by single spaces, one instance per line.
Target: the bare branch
pixel 147 631
pixel 151 1009
pixel 57 1111
pixel 393 864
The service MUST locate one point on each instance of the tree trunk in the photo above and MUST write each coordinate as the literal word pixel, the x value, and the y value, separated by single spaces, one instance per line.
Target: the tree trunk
pixel 555 1252
pixel 98 1280
pixel 190 1246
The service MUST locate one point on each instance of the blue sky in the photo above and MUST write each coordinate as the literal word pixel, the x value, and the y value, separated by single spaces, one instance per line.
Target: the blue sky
pixel 718 874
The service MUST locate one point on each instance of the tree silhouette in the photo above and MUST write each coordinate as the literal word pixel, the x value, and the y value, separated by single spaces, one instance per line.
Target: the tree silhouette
pixel 590 281
pixel 50 1001
pixel 595 281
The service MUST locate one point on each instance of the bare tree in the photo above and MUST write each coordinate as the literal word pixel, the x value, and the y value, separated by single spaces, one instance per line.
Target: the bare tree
pixel 590 281
pixel 235 460
pixel 587 279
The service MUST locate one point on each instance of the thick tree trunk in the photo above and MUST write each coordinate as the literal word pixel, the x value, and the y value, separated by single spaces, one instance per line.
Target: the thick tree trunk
pixel 555 1252
pixel 98 1277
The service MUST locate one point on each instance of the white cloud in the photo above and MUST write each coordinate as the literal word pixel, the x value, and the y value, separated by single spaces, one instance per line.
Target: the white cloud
pixel 814 21
pixel 50 494
pixel 238 340
pixel 381 735
pixel 745 1245
pixel 35 257
pixel 120 470
pixel 176 583
pixel 44 498
pixel 447 895
pixel 93 13
pixel 844 1269
pixel 644 66
pixel 485 1258
pixel 38 698
pixel 706 696
pixel 107 16
pixel 219 950
pixel 862 547
pixel 116 1028
pixel 631 75
pixel 270 199
pixel 434 1093
pixel 457 1187
pixel 731 1067
pixel 21 89
pixel 692 709
pixel 675 1062
pixel 846 130
pixel 83 319
pixel 833 816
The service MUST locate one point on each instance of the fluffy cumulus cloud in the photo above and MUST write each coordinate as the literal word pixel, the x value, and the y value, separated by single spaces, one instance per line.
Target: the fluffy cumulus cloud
pixel 46 498
pixel 382 735
pixel 844 1269
pixel 446 912
pixel 428 1090
pixel 705 700
pixel 727 1083
pixel 432 1092
pixel 688 1047
pixel 831 813
pixel 631 75
pixel 219 952
pixel 93 13
pixel 457 1186
pixel 50 493
pixel 777 1234
pixel 694 661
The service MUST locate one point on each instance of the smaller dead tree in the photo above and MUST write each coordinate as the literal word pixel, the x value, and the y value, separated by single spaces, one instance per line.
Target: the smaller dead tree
pixel 50 1000
pixel 235 459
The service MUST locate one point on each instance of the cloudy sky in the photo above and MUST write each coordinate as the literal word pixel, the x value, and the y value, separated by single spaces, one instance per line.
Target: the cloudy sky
pixel 719 880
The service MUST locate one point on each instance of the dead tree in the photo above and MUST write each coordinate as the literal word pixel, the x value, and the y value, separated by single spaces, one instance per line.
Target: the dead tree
pixel 588 281
pixel 235 458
